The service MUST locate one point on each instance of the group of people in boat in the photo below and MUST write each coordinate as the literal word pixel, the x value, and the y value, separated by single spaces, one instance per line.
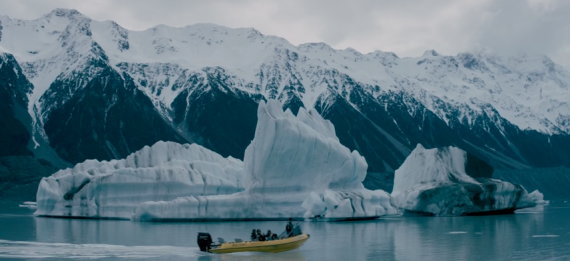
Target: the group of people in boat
pixel 256 234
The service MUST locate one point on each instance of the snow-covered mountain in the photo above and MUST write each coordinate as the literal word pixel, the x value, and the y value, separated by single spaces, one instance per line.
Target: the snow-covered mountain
pixel 101 91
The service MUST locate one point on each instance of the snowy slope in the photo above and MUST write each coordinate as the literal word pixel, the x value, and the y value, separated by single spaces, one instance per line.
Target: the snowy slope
pixel 529 91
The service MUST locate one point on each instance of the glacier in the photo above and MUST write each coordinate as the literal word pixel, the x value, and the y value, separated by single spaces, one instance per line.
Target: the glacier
pixel 294 167
pixel 449 182
pixel 114 189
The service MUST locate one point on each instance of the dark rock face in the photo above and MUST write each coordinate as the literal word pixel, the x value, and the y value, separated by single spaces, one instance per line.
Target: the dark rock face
pixel 20 176
pixel 293 103
pixel 552 182
pixel 477 168
pixel 355 131
pixel 217 117
pixel 14 86
pixel 109 118
pixel 383 181
pixel 20 172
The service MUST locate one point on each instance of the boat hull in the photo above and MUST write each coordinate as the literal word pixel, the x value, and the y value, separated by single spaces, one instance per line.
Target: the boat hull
pixel 272 246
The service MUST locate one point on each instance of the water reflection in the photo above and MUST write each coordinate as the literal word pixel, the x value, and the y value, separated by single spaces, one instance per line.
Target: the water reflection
pixel 533 234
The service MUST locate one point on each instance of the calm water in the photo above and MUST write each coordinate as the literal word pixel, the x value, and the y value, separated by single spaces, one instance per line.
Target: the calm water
pixel 536 234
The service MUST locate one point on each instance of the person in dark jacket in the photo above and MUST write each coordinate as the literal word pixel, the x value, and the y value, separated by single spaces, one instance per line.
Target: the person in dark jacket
pixel 253 235
pixel 260 236
pixel 289 227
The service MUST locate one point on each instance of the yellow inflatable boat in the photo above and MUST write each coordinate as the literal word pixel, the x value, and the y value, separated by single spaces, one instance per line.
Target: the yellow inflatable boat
pixel 291 239
pixel 272 246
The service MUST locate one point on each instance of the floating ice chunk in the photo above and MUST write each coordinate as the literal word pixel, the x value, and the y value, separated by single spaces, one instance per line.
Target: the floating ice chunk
pixel 449 181
pixel 114 189
pixel 538 197
pixel 29 204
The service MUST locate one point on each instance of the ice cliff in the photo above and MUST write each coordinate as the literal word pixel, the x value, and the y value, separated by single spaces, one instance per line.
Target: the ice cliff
pixel 449 181
pixel 114 189
pixel 294 167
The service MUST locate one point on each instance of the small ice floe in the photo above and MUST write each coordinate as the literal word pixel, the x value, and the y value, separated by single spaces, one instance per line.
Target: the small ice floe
pixel 29 204
pixel 545 235
pixel 457 232
pixel 478 233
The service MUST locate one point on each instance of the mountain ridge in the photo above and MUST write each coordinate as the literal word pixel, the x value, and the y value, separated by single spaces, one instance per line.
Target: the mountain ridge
pixel 201 83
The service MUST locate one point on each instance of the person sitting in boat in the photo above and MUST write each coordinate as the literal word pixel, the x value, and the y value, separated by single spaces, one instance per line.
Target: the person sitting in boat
pixel 274 236
pixel 253 235
pixel 289 226
pixel 269 235
pixel 260 236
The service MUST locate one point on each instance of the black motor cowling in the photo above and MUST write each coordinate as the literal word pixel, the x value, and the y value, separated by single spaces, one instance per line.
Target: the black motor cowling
pixel 204 241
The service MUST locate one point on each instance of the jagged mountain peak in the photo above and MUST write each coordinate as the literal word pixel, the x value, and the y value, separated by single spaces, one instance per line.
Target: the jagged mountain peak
pixel 306 47
pixel 379 53
pixel 430 53
pixel 67 13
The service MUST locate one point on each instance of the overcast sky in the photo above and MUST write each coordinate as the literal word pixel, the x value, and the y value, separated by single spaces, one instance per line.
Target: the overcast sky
pixel 406 27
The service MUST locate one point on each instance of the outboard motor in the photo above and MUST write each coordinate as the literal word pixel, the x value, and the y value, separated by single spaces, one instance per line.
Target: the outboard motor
pixel 204 241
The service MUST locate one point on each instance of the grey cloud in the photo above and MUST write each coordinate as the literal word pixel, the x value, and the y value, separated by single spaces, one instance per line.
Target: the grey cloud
pixel 406 27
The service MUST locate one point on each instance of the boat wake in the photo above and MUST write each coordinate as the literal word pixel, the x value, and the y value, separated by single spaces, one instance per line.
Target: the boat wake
pixel 33 250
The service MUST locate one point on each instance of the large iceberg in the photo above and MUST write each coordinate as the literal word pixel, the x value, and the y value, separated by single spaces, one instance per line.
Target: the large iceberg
pixel 295 167
pixel 449 181
pixel 114 189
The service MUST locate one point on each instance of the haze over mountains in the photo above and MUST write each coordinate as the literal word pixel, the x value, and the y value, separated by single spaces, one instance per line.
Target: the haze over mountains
pixel 74 89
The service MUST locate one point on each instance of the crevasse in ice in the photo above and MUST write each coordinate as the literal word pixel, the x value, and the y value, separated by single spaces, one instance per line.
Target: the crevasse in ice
pixel 449 181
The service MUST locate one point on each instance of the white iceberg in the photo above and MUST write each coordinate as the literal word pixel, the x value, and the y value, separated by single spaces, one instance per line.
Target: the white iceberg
pixel 114 189
pixel 297 169
pixel 449 181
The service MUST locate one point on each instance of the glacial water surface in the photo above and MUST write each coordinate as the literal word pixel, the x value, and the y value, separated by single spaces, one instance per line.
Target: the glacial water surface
pixel 534 234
